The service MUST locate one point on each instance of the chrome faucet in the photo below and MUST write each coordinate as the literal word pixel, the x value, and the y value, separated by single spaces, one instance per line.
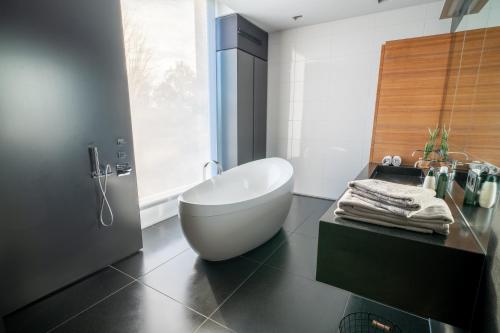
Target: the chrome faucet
pixel 416 150
pixel 217 164
pixel 419 162
pixel 455 163
pixel 460 153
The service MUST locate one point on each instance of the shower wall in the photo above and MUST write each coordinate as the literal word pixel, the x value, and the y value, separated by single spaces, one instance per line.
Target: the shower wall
pixel 63 88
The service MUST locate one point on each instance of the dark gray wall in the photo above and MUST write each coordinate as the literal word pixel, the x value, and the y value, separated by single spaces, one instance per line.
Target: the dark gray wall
pixel 487 316
pixel 63 86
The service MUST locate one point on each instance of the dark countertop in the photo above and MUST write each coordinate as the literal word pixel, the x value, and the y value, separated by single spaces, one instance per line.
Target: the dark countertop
pixel 377 262
pixel 461 236
pixel 480 220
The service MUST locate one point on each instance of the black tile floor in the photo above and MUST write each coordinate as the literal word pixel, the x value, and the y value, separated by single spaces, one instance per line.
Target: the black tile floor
pixel 167 288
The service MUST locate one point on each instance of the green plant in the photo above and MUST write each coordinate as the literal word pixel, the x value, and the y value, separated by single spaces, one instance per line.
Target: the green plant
pixel 444 143
pixel 429 145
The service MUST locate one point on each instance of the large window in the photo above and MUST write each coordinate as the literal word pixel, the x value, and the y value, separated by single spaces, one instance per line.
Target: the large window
pixel 167 64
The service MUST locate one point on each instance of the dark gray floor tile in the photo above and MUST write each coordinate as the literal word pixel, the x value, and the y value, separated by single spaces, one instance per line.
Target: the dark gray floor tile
pixel 54 309
pixel 199 284
pixel 311 226
pixel 136 308
pixel 297 255
pixel 298 213
pixel 161 242
pixel 212 327
pixel 261 253
pixel 301 209
pixel 407 322
pixel 275 301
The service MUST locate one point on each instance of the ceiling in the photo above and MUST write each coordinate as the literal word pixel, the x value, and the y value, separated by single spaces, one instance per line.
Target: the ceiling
pixel 275 15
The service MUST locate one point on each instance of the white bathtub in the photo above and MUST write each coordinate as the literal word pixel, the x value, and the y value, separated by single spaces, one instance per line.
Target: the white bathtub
pixel 238 210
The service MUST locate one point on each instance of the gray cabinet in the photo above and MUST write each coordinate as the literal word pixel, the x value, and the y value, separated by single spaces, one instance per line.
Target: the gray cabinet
pixel 241 91
pixel 259 108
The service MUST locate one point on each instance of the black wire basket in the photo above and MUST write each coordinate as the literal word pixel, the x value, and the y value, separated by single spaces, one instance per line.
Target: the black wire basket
pixel 364 322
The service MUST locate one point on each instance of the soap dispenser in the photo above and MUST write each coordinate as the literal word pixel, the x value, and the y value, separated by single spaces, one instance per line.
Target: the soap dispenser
pixel 442 182
pixel 430 180
pixel 488 194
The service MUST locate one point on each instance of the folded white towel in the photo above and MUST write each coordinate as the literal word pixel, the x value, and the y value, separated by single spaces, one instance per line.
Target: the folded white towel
pixel 435 216
pixel 397 195
pixel 433 210
pixel 340 213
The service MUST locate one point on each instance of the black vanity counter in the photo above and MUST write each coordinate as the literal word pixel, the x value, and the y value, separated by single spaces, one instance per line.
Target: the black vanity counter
pixel 461 236
pixel 431 275
pixel 480 220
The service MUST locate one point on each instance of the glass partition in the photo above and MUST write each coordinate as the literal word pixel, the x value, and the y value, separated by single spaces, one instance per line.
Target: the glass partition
pixel 472 108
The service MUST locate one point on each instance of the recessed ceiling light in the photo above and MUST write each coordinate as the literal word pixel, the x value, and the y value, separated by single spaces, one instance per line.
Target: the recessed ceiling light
pixel 297 17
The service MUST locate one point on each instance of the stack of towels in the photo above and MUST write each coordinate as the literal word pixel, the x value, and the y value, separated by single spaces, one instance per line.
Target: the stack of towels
pixel 395 205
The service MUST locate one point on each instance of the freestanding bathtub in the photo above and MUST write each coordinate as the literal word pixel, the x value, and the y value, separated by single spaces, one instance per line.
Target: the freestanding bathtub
pixel 234 212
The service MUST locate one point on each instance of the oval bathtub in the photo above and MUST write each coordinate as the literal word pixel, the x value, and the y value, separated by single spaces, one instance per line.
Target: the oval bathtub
pixel 235 212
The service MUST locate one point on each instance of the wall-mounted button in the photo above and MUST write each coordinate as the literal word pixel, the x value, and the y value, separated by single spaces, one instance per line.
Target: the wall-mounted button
pixel 123 169
pixel 121 154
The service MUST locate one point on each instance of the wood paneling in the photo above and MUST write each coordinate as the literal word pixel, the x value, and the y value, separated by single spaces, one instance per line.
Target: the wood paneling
pixel 412 77
pixel 452 80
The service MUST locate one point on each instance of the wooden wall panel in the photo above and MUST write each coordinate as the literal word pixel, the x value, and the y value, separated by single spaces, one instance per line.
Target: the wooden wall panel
pixel 452 80
pixel 412 77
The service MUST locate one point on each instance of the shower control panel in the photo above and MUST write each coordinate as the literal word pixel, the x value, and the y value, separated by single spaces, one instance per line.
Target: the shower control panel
pixel 123 168
pixel 121 155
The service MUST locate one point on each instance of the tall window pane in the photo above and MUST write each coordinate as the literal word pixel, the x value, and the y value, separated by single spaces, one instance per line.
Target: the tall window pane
pixel 167 64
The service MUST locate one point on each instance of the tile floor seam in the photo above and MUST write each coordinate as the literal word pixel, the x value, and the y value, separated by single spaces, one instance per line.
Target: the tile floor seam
pixel 216 322
pixel 304 221
pixel 346 304
pixel 241 285
pixel 234 291
pixel 182 304
pixel 163 263
pixel 89 307
pixel 201 325
pixel 173 299
pixel 269 255
pixel 307 218
pixel 122 272
pixel 231 294
pixel 261 264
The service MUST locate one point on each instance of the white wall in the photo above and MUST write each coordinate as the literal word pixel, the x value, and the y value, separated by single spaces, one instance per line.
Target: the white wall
pixel 322 89
pixel 221 9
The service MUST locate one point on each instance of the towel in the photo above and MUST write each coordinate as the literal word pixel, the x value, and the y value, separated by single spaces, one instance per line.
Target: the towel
pixel 397 195
pixel 433 216
pixel 340 213
pixel 433 210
